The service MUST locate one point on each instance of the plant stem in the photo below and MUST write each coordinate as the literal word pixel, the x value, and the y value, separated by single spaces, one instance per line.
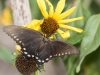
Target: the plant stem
pixel 21 11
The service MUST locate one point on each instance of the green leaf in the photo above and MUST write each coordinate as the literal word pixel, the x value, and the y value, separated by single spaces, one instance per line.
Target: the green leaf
pixel 92 40
pixel 87 3
pixel 36 73
pixel 74 39
pixel 41 68
pixel 36 13
pixel 92 66
pixel 72 62
pixel 6 55
pixel 80 11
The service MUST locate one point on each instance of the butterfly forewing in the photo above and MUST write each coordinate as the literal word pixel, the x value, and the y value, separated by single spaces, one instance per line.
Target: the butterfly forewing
pixel 20 31
pixel 28 39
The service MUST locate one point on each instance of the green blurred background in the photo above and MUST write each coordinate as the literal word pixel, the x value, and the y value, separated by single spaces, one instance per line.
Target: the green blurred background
pixel 87 63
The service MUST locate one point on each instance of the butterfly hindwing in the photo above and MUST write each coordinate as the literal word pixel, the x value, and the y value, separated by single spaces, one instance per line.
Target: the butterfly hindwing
pixel 55 48
pixel 63 48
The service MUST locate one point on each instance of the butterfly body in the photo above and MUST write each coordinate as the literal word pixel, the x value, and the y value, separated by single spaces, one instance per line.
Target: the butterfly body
pixel 35 45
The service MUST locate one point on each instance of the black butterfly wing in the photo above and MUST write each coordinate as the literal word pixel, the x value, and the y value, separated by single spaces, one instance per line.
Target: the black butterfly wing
pixel 29 40
pixel 64 48
pixel 55 48
pixel 33 45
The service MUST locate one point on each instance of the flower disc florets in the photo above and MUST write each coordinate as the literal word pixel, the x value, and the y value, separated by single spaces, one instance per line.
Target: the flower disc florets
pixel 24 65
pixel 49 26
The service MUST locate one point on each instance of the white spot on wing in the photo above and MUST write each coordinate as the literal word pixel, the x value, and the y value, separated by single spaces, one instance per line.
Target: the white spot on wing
pixel 29 55
pixel 32 55
pixel 39 60
pixel 66 53
pixel 23 44
pixel 59 54
pixel 36 57
pixel 17 39
pixel 24 48
pixel 20 41
pixel 62 53
pixel 14 36
pixel 56 55
pixel 47 58
pixel 50 56
pixel 25 52
pixel 42 60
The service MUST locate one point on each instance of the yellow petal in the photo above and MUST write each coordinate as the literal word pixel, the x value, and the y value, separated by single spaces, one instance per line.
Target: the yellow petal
pixel 51 11
pixel 37 28
pixel 66 13
pixel 34 24
pixel 51 37
pixel 59 8
pixel 42 7
pixel 18 48
pixel 70 20
pixel 71 28
pixel 67 32
pixel 64 34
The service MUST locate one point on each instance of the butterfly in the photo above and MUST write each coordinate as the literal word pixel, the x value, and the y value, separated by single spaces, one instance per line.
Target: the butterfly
pixel 34 45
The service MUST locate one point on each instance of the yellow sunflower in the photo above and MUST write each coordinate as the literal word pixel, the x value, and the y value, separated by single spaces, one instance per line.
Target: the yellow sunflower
pixel 54 19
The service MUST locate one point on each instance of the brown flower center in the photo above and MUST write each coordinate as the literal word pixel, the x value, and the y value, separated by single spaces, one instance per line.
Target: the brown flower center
pixel 49 26
pixel 24 65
